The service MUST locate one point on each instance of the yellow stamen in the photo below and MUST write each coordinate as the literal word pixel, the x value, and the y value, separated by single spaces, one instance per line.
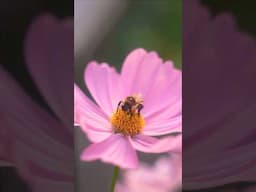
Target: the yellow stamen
pixel 126 123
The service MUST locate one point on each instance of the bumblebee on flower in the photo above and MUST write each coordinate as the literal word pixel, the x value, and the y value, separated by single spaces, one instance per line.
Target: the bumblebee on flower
pixel 127 119
pixel 132 104
pixel 132 107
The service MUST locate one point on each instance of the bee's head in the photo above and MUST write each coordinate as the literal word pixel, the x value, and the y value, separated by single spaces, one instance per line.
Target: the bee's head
pixel 138 98
pixel 131 100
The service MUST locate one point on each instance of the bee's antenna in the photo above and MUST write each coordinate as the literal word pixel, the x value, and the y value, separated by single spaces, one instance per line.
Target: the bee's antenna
pixel 140 107
pixel 118 105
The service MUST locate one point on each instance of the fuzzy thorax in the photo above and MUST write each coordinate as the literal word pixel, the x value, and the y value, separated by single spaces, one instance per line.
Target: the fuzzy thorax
pixel 126 123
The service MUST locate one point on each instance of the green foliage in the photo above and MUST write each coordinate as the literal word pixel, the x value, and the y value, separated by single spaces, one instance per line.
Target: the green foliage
pixel 153 25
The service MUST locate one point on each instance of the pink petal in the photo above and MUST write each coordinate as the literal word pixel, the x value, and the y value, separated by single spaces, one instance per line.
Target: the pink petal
pixel 26 117
pixel 220 137
pixel 33 159
pixel 138 71
pixel 90 118
pixel 119 187
pixel 96 134
pixel 85 108
pixel 162 127
pixel 6 139
pixel 216 170
pixel 116 150
pixel 103 83
pixel 152 145
pixel 164 112
pixel 165 93
pixel 40 139
pixel 131 64
pixel 49 56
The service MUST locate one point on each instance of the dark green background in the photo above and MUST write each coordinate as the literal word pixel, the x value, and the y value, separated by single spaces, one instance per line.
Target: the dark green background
pixel 153 25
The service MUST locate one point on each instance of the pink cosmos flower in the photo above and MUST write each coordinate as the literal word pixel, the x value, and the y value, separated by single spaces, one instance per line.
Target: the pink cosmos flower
pixel 220 102
pixel 164 176
pixel 116 125
pixel 35 142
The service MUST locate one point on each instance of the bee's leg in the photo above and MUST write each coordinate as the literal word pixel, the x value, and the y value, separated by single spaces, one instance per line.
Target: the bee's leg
pixel 118 105
pixel 130 112
pixel 140 107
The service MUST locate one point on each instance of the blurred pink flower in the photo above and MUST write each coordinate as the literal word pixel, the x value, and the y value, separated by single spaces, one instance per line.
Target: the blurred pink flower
pixel 36 142
pixel 164 176
pixel 115 133
pixel 219 61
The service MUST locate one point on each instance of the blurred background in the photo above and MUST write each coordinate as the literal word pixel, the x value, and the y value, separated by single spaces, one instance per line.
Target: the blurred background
pixel 108 31
pixel 120 26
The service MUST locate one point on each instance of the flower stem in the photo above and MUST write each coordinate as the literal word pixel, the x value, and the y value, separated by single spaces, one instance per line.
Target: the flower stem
pixel 114 178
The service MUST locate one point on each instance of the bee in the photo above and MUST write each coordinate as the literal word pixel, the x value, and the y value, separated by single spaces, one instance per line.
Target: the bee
pixel 131 104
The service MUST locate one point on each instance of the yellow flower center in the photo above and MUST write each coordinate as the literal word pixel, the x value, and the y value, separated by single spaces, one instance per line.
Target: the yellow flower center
pixel 127 119
pixel 127 123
